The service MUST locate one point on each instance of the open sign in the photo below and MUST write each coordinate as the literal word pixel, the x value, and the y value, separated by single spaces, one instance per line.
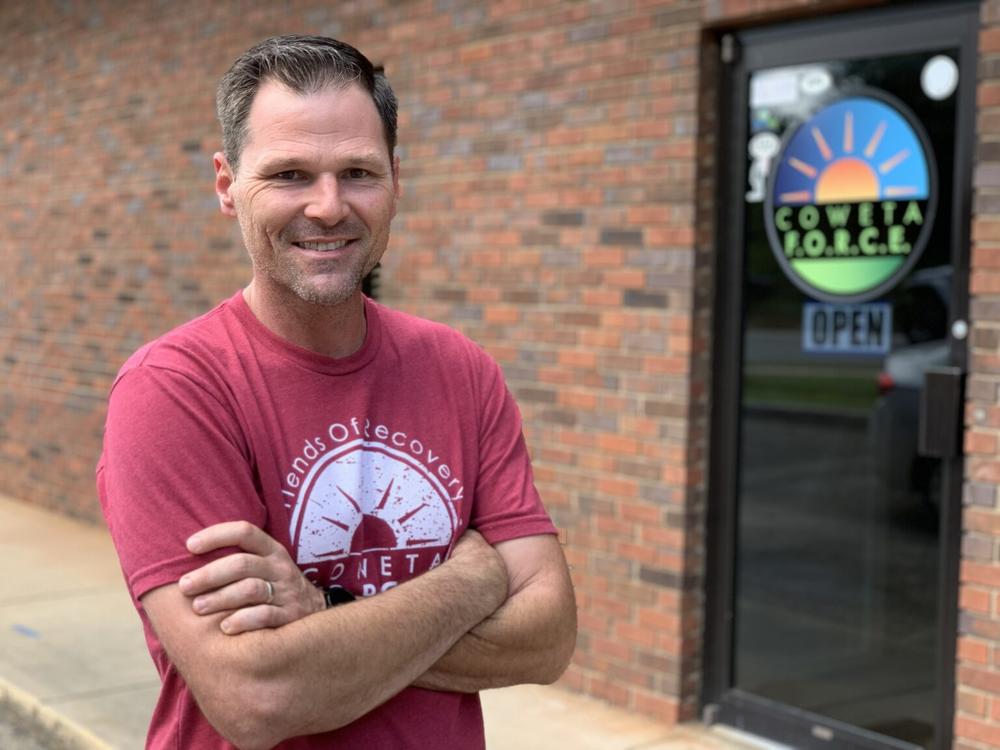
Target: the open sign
pixel 847 329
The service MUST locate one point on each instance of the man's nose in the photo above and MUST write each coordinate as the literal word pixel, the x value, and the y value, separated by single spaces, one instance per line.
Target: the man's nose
pixel 325 202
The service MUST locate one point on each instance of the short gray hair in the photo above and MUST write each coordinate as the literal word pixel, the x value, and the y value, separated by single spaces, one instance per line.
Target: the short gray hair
pixel 305 64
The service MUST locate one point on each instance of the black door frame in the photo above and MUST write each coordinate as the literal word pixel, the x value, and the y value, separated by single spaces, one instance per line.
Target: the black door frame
pixel 916 27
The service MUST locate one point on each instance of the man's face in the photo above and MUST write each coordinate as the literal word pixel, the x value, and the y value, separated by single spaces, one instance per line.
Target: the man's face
pixel 315 191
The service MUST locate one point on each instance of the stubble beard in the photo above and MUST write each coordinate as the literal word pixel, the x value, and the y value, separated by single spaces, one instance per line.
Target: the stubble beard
pixel 323 289
pixel 305 286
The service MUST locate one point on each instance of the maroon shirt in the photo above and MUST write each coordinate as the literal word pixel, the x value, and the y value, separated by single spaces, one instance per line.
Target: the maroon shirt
pixel 367 468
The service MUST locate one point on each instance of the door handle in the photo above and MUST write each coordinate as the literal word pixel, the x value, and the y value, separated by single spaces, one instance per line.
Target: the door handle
pixel 939 431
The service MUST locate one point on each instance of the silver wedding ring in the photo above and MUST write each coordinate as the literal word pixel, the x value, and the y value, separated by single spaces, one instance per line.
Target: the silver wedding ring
pixel 270 592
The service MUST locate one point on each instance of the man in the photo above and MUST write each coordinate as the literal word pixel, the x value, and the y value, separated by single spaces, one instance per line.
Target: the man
pixel 323 508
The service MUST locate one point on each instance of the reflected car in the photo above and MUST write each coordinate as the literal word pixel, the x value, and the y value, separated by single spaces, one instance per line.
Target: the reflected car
pixel 921 312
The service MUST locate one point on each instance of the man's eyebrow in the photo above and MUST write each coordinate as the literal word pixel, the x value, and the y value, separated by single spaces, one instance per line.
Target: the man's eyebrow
pixel 370 159
pixel 278 164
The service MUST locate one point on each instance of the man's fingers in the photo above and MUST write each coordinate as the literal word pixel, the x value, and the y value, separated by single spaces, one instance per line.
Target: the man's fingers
pixel 254 618
pixel 245 593
pixel 259 586
pixel 222 572
pixel 240 534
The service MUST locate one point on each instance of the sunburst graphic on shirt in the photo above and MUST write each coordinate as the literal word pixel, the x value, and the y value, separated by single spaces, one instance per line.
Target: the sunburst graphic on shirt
pixel 365 497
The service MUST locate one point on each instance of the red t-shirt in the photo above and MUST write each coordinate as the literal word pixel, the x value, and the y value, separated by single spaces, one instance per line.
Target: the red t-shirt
pixel 367 468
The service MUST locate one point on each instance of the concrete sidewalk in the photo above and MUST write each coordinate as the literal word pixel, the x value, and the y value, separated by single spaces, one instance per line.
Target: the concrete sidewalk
pixel 72 655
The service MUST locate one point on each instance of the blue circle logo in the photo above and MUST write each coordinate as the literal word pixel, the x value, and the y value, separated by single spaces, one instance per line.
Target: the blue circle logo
pixel 851 199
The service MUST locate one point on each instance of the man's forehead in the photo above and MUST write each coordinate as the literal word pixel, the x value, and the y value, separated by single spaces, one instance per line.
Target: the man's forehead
pixel 343 113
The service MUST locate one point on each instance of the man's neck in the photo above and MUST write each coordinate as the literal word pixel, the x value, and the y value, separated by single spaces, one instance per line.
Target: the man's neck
pixel 333 331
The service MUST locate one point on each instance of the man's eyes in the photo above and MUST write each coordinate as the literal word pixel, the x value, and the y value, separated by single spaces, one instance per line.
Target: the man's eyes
pixel 293 175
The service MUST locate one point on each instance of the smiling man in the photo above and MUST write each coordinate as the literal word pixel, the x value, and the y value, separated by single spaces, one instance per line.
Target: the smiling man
pixel 324 508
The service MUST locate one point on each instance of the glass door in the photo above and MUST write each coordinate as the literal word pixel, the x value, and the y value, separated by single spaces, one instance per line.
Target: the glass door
pixel 851 287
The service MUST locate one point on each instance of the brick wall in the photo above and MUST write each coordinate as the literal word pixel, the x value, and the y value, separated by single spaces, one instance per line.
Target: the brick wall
pixel 110 235
pixel 977 719
pixel 549 181
pixel 558 177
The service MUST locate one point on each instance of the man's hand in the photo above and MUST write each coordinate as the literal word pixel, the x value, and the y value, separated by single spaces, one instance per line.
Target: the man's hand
pixel 528 639
pixel 320 672
pixel 237 583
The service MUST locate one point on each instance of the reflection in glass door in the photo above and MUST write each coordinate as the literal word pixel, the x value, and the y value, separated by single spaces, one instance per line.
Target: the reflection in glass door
pixel 848 293
pixel 836 591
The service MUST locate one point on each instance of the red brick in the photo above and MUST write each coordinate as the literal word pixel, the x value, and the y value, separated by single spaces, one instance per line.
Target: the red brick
pixel 635 634
pixel 973 651
pixel 974 599
pixel 977 730
pixel 980 442
pixel 988 94
pixel 577 358
pixel 980 679
pixel 618 444
pixel 641 513
pixel 989 41
pixel 971 702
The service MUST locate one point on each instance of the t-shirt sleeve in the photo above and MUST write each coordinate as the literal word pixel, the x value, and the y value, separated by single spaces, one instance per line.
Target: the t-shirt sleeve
pixel 174 462
pixel 507 504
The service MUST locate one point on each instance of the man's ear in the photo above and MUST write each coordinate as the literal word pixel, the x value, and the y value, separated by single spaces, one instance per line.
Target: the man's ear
pixel 397 191
pixel 224 179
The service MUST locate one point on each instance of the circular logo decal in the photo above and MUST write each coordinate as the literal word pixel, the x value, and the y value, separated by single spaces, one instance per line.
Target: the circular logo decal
pixel 365 497
pixel 851 199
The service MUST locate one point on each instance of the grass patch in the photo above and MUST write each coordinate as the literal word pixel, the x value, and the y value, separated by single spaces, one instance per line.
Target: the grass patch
pixel 824 391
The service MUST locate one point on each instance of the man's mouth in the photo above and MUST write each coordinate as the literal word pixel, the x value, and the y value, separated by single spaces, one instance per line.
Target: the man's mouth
pixel 321 246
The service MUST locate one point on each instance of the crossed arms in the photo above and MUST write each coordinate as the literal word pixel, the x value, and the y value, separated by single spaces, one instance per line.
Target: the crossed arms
pixel 486 617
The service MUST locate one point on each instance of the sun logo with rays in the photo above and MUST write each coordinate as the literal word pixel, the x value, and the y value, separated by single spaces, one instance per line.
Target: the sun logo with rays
pixel 851 199
pixel 368 515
